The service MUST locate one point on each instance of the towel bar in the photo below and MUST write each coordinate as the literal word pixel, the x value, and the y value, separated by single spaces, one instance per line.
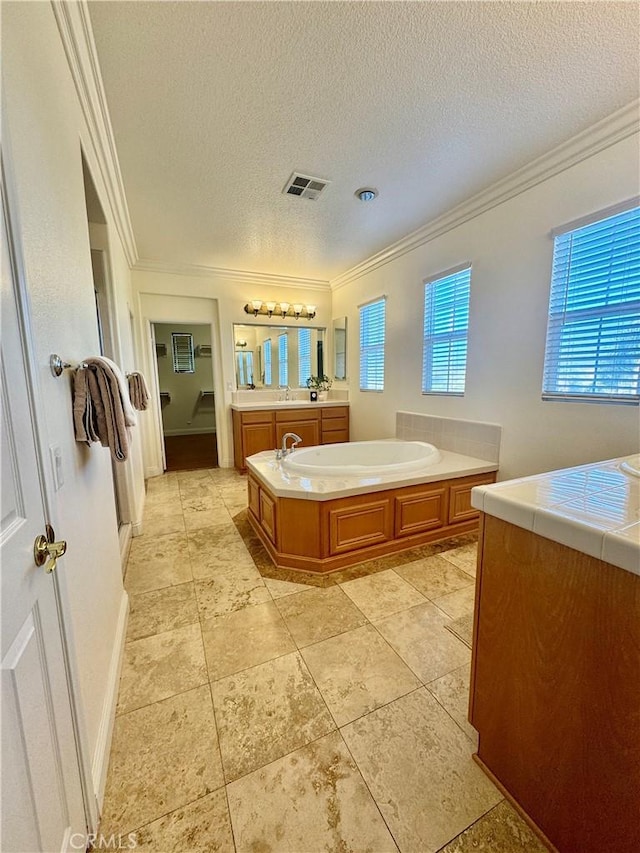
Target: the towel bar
pixel 58 366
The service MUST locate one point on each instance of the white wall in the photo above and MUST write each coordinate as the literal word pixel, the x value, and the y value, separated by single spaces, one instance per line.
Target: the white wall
pixel 43 132
pixel 511 250
pixel 218 301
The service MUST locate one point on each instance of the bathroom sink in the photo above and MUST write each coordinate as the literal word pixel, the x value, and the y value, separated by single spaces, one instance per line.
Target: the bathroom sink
pixel 631 465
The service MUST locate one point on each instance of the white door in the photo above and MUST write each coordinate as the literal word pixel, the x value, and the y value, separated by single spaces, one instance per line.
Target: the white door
pixel 41 794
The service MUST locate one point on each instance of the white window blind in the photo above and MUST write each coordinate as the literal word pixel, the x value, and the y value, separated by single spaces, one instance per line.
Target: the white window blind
pixel 372 329
pixel 182 348
pixel 283 360
pixel 304 356
pixel 266 360
pixel 593 333
pixel 446 325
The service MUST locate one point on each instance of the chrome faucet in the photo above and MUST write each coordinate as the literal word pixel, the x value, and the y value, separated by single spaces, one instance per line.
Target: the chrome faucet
pixel 287 392
pixel 283 451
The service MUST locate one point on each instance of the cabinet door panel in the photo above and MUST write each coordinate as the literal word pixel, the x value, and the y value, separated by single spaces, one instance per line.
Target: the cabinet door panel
pixel 420 511
pixel 308 430
pixel 257 437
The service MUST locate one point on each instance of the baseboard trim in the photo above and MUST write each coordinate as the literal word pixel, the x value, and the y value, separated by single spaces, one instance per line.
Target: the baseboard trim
pixel 124 535
pixel 136 528
pixel 153 472
pixel 203 431
pixel 100 764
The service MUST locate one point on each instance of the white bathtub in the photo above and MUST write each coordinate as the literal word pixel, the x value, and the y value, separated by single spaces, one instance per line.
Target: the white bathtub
pixel 362 458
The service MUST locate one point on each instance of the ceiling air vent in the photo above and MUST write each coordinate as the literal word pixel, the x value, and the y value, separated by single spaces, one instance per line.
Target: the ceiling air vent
pixel 304 186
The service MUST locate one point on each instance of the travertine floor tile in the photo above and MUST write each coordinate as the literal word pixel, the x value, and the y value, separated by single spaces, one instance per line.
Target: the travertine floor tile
pixel 230 591
pixel 420 638
pixel 312 800
pixel 458 603
pixel 317 614
pixel 200 827
pixel 204 512
pixel 418 766
pixel 244 638
pixel 501 830
pixel 157 562
pixel 357 672
pixel 279 589
pixel 452 691
pixel 164 483
pixel 382 594
pixel 161 519
pixel 216 549
pixel 160 666
pixel 161 610
pixel 265 712
pixel 465 557
pixel 434 576
pixel 162 756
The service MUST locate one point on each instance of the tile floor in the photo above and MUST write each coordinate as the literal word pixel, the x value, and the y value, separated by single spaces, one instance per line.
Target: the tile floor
pixel 260 711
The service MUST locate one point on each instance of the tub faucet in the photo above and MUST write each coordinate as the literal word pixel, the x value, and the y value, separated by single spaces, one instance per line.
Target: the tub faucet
pixel 282 451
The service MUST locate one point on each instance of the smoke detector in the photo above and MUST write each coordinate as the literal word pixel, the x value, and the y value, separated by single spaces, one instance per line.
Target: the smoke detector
pixel 304 186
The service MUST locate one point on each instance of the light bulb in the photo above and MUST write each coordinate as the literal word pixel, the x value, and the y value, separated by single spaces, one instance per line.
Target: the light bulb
pixel 284 307
pixel 271 307
pixel 257 305
pixel 311 311
pixel 297 309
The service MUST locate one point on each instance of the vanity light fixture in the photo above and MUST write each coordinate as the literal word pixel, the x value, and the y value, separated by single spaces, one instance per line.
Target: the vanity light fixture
pixel 280 309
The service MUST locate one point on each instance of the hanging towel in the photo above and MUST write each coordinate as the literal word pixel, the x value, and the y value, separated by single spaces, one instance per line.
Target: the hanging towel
pixel 104 362
pixel 138 391
pixel 99 408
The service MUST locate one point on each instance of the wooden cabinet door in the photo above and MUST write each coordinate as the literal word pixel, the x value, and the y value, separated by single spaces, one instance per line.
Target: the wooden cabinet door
pixel 256 438
pixel 308 430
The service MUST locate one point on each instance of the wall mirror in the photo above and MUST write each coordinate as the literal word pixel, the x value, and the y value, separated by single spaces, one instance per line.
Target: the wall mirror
pixel 270 356
pixel 339 326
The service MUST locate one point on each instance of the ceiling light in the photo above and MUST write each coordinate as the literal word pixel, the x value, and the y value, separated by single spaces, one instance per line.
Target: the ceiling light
pixel 366 193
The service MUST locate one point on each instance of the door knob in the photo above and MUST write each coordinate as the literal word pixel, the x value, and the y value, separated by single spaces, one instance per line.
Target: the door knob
pixel 47 551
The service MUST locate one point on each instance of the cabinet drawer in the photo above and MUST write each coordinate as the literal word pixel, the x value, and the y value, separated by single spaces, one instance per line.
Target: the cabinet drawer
pixel 256 417
pixel 296 415
pixel 332 412
pixel 308 430
pixel 335 436
pixel 335 423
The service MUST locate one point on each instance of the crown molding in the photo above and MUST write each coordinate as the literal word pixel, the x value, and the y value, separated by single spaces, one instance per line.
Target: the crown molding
pixel 614 128
pixel 76 34
pixel 254 278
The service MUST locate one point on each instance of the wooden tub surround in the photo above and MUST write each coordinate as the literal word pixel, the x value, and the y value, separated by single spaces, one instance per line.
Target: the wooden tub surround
pixel 555 680
pixel 321 533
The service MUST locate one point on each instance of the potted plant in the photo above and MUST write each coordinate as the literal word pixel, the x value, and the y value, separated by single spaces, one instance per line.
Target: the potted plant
pixel 321 384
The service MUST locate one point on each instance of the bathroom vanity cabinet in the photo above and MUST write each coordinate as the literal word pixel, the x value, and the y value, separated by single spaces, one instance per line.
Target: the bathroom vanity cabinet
pixel 555 682
pixel 256 430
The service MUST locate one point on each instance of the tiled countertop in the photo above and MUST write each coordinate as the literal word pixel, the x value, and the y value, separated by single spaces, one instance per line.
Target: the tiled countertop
pixel 593 508
pixel 285 483
pixel 276 405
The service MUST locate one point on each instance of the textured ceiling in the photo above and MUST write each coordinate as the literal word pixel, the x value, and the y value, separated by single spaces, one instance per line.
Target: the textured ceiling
pixel 215 104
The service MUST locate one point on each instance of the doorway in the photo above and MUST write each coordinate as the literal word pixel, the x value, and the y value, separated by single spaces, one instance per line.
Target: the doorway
pixel 187 400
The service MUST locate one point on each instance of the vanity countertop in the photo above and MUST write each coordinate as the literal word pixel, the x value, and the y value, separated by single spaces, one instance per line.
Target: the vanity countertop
pixel 594 509
pixel 277 405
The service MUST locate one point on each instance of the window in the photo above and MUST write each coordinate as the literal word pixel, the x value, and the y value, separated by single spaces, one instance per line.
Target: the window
pixel 283 360
pixel 593 333
pixel 304 356
pixel 266 360
pixel 446 323
pixel 372 318
pixel 182 348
